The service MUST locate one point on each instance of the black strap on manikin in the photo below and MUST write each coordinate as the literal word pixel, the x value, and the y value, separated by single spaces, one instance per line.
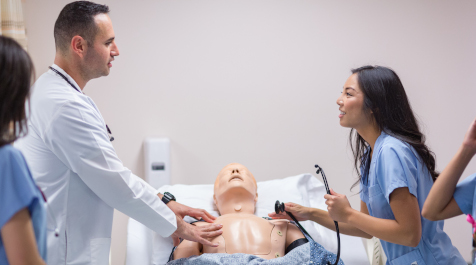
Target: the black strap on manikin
pixel 296 243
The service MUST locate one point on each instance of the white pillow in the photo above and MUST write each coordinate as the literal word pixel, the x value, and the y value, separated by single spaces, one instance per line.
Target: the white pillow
pixel 304 189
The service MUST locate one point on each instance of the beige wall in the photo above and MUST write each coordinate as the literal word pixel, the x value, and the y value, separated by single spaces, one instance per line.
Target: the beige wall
pixel 256 82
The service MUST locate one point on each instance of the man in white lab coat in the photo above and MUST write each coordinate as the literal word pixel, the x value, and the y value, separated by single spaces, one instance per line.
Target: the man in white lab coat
pixel 71 157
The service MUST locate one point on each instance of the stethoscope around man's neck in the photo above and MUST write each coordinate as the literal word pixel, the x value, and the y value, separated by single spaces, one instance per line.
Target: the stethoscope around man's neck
pixel 111 138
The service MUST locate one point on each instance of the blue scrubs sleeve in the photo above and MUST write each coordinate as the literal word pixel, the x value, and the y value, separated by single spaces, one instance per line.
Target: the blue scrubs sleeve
pixel 396 167
pixel 464 194
pixel 17 190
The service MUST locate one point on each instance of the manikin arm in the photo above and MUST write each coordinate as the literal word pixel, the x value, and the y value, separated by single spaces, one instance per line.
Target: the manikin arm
pixel 187 249
pixel 293 234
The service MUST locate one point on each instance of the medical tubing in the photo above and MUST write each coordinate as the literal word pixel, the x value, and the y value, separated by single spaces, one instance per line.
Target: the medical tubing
pixel 279 208
pixel 298 224
pixel 320 170
pixel 338 243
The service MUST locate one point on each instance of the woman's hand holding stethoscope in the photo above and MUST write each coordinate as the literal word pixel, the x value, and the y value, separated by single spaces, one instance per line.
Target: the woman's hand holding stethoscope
pixel 301 213
pixel 338 206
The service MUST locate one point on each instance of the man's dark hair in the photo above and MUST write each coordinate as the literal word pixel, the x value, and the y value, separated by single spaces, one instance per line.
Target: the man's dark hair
pixel 16 76
pixel 77 18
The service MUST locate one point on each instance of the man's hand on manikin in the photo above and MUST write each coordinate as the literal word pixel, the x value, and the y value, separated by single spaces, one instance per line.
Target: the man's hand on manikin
pixel 183 210
pixel 200 234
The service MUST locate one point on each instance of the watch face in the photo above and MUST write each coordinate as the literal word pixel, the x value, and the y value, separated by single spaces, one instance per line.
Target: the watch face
pixel 168 197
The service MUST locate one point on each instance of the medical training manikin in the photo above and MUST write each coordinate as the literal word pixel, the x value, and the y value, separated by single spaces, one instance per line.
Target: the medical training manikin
pixel 243 232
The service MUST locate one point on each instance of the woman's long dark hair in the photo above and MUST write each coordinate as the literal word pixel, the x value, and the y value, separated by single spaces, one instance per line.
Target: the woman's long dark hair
pixel 16 74
pixel 385 96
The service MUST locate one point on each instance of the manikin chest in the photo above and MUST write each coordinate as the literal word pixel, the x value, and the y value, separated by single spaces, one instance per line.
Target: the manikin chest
pixel 250 234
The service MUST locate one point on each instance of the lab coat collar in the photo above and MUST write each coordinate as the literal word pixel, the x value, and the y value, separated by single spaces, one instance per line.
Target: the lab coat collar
pixel 59 69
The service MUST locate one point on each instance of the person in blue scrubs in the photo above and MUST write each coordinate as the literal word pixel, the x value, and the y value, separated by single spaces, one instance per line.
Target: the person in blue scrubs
pixel 22 211
pixel 397 171
pixel 447 198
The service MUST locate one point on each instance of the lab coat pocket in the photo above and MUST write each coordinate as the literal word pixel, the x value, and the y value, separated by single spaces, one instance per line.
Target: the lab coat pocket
pixel 100 251
pixel 412 258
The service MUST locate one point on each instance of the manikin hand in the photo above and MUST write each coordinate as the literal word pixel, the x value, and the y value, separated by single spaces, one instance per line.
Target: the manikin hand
pixel 470 138
pixel 200 234
pixel 300 212
pixel 338 206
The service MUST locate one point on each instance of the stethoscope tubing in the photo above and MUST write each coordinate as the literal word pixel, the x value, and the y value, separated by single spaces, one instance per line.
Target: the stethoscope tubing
pixel 279 208
pixel 111 138
pixel 320 170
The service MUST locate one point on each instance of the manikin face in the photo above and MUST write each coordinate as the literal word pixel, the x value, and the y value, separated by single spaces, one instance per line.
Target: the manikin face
pixel 234 182
pixel 351 105
pixel 99 55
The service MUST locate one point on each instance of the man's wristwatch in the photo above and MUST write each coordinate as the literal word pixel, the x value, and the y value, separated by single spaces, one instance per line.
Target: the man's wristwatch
pixel 168 197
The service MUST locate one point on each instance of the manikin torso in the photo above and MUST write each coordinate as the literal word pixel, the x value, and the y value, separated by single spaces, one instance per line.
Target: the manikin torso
pixel 250 234
pixel 243 232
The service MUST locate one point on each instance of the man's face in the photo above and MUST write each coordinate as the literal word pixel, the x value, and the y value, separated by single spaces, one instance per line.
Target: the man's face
pixel 235 176
pixel 99 55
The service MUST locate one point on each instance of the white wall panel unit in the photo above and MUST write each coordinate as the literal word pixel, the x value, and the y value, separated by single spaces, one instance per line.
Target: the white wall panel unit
pixel 157 161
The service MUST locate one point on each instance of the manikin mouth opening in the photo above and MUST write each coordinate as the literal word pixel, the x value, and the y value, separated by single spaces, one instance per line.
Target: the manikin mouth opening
pixel 236 177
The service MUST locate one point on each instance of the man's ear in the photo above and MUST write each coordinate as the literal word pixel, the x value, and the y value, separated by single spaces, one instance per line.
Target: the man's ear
pixel 256 198
pixel 215 200
pixel 79 45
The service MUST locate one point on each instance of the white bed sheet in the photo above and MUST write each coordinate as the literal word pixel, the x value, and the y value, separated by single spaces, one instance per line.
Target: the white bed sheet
pixel 145 247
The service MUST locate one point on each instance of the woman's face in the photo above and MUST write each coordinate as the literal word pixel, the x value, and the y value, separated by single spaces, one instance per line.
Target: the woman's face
pixel 351 105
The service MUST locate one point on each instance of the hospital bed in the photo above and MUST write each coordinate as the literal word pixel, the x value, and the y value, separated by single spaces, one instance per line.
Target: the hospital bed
pixel 145 247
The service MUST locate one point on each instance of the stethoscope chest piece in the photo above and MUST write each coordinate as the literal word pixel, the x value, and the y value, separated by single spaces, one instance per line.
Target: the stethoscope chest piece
pixel 279 207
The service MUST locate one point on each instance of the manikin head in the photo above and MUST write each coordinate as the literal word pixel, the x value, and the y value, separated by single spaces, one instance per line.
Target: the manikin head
pixel 84 38
pixel 235 190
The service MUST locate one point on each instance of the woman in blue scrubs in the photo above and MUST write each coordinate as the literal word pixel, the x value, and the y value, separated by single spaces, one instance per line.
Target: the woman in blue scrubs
pixel 22 212
pixel 397 171
pixel 447 198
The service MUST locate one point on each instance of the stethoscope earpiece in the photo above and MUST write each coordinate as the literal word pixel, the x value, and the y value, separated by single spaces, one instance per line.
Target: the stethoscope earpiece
pixel 318 169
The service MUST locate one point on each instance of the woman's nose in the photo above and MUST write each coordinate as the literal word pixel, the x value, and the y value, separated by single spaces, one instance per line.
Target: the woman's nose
pixel 339 101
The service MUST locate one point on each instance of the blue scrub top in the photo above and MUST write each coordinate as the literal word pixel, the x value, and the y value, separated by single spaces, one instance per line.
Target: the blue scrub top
pixel 395 165
pixel 18 191
pixel 465 197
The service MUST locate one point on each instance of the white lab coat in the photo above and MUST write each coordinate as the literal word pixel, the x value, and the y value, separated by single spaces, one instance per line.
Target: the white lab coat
pixel 74 163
